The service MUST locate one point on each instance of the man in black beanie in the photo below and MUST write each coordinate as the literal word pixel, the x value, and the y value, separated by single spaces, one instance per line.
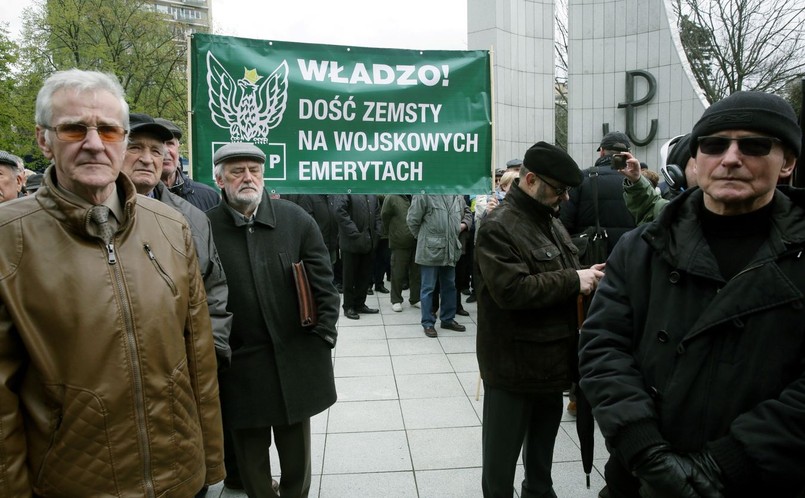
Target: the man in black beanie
pixel 692 353
pixel 530 279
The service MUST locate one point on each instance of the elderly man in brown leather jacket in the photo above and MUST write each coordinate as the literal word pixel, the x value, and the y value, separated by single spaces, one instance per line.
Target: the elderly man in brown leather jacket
pixel 108 381
pixel 529 282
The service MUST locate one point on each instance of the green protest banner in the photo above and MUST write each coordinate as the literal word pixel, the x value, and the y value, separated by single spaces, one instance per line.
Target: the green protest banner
pixel 337 119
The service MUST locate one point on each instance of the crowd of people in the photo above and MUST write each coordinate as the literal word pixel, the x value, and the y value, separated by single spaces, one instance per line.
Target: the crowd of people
pixel 151 340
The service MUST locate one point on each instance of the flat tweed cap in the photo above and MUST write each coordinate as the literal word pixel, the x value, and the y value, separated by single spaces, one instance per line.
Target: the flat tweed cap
pixel 238 150
pixel 551 161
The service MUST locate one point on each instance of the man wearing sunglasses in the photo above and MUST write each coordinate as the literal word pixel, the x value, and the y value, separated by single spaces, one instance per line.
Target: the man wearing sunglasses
pixel 529 280
pixel 692 353
pixel 108 381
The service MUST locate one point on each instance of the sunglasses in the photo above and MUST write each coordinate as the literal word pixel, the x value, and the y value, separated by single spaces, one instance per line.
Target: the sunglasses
pixel 75 132
pixel 749 146
pixel 559 191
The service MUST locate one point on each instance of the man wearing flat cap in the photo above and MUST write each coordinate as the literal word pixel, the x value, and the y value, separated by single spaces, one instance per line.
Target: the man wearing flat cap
pixel 196 193
pixel 601 193
pixel 692 352
pixel 11 178
pixel 529 281
pixel 281 373
pixel 142 163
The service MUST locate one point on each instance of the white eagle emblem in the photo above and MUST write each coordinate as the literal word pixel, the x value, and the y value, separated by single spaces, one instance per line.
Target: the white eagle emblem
pixel 248 109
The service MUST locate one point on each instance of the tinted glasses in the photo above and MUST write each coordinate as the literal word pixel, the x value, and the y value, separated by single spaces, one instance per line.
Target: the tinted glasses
pixel 75 132
pixel 749 146
pixel 559 191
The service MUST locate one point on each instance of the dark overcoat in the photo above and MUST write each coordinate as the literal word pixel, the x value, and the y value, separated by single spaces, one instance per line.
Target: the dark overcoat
pixel 527 290
pixel 671 352
pixel 281 372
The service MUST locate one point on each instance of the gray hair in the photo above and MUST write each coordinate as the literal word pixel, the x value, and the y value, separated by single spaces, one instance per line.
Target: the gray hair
pixel 81 81
pixel 218 169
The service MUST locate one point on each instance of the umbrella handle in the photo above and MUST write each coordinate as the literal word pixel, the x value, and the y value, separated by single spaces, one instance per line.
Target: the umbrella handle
pixel 588 481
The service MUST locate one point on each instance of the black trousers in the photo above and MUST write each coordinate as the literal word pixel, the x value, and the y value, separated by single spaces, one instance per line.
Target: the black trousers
pixel 513 421
pixel 620 482
pixel 293 447
pixel 357 277
pixel 382 264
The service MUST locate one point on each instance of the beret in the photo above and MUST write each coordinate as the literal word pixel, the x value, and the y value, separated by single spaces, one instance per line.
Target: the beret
pixel 551 161
pixel 238 150
pixel 755 111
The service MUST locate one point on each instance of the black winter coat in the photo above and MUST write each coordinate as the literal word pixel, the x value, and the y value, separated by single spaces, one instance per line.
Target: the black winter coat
pixel 281 372
pixel 672 352
pixel 359 224
pixel 527 321
pixel 578 212
pixel 322 208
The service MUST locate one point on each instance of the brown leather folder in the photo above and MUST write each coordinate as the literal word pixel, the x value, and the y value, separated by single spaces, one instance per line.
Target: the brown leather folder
pixel 308 316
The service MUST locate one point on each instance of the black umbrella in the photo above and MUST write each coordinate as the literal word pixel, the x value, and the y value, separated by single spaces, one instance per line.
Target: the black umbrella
pixel 585 424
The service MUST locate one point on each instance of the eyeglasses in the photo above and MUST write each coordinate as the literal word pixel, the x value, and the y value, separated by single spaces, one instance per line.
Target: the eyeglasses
pixel 559 191
pixel 749 146
pixel 75 132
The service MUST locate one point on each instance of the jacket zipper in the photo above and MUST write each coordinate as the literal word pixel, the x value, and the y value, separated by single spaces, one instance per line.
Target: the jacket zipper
pixel 139 395
pixel 159 268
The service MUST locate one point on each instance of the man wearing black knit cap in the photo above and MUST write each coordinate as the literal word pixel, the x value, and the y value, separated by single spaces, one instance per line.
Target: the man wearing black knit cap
pixel 529 283
pixel 692 353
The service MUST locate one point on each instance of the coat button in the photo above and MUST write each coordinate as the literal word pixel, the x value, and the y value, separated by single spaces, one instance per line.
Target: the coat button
pixel 662 336
pixel 680 349
pixel 674 277
pixel 653 392
pixel 738 323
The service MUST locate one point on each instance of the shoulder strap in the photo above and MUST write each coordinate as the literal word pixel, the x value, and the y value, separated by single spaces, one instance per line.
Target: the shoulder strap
pixel 594 183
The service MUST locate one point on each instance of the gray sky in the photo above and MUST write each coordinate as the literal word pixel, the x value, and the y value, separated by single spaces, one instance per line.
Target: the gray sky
pixel 417 24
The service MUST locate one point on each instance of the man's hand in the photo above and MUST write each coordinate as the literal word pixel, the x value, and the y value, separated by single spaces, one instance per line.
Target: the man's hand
pixel 632 169
pixel 589 278
pixel 491 203
pixel 665 474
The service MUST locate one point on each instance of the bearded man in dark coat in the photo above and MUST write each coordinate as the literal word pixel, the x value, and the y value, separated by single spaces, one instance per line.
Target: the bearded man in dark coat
pixel 282 372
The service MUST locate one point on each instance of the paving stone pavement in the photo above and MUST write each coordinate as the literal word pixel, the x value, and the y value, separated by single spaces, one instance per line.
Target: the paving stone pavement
pixel 407 423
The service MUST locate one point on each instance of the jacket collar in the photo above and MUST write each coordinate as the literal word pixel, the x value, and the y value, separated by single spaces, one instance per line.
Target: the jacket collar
pixel 528 204
pixel 67 211
pixel 677 235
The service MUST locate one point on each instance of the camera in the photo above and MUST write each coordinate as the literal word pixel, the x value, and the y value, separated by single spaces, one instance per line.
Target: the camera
pixel 618 161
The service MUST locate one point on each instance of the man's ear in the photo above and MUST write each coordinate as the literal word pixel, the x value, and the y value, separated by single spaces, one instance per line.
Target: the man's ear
pixel 220 182
pixel 41 140
pixel 788 166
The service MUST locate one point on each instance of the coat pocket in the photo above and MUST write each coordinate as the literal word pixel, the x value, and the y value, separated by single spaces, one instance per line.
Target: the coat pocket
pixel 78 447
pixel 188 453
pixel 546 258
pixel 435 248
pixel 543 354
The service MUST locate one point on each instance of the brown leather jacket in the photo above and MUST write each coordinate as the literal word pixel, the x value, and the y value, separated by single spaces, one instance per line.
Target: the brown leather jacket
pixel 108 380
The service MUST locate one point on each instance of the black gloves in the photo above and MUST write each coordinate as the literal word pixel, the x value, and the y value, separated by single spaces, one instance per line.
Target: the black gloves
pixel 665 474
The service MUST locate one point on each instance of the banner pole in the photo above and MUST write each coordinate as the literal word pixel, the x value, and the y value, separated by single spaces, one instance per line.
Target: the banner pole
pixel 492 127
pixel 189 111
